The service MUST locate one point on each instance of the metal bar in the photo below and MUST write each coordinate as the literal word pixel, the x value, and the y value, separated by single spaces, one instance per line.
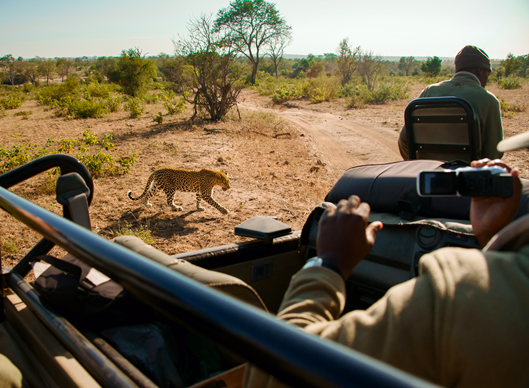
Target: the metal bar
pixel 297 358
pixel 41 248
pixel 66 163
pixel 105 372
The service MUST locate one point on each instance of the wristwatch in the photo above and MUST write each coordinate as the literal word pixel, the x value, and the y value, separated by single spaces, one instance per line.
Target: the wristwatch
pixel 319 262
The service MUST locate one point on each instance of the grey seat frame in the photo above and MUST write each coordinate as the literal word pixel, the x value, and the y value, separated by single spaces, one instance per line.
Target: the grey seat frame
pixel 442 128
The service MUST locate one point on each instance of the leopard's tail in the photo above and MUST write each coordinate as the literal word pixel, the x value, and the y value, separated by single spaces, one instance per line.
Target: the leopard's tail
pixel 148 187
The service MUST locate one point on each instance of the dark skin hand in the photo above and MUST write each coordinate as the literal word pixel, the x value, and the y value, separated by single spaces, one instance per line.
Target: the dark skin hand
pixel 489 215
pixel 344 235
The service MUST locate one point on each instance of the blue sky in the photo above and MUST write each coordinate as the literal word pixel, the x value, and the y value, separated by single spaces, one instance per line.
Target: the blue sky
pixel 59 28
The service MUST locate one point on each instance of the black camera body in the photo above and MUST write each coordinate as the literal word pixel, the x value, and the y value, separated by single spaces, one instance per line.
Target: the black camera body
pixel 467 181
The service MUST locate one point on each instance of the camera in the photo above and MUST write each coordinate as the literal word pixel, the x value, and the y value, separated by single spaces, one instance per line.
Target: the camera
pixel 466 181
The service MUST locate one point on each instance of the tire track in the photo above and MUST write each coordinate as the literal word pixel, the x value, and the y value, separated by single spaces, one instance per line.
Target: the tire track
pixel 341 141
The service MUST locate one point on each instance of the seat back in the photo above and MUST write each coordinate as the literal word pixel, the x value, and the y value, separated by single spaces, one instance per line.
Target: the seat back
pixel 442 128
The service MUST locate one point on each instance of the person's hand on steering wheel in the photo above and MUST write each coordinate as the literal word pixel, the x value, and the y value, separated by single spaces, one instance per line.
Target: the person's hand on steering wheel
pixel 344 236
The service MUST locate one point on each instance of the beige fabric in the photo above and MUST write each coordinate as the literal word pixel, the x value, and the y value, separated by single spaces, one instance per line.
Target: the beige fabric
pixel 461 323
pixel 226 283
pixel 10 376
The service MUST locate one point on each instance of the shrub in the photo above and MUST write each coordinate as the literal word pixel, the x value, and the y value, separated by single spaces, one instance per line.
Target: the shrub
pixel 97 90
pixel 510 83
pixel 84 109
pixel 158 118
pixel 321 89
pixel 113 103
pixel 13 101
pixel 142 232
pixel 79 109
pixel 288 92
pixel 24 113
pixel 92 152
pixel 389 90
pixel 174 105
pixel 135 107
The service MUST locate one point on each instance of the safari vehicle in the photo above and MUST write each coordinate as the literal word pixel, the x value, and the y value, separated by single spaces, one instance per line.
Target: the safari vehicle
pixel 53 348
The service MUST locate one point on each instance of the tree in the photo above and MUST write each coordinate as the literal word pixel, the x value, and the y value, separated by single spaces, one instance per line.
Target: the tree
pixel 347 60
pixel 12 68
pixel 47 68
pixel 64 66
pixel 107 67
pixel 524 60
pixel 134 72
pixel 432 66
pixel 407 64
pixel 214 77
pixel 252 26
pixel 30 71
pixel 276 48
pixel 370 68
pixel 511 65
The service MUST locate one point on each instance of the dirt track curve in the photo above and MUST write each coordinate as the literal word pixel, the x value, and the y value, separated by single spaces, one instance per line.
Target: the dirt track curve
pixel 341 140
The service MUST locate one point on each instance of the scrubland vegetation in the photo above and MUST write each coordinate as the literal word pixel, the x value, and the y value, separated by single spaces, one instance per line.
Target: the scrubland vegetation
pixel 202 82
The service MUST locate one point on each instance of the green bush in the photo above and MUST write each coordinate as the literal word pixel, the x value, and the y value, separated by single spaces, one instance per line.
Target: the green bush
pixel 79 109
pixel 389 90
pixel 113 103
pixel 13 101
pixel 84 109
pixel 321 89
pixel 24 113
pixel 287 93
pixel 46 95
pixel 135 107
pixel 158 118
pixel 92 152
pixel 174 105
pixel 151 98
pixel 98 90
pixel 510 83
pixel 142 232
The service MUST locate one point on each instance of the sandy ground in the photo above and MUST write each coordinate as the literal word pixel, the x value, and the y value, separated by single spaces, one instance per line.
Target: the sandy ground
pixel 281 160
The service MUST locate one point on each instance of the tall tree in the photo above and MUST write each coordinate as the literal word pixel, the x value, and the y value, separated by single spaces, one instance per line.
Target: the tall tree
pixel 47 68
pixel 371 67
pixel 407 64
pixel 215 77
pixel 432 66
pixel 64 66
pixel 276 48
pixel 347 60
pixel 252 26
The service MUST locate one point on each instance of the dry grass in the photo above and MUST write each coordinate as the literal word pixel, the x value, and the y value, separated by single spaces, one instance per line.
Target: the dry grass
pixel 272 166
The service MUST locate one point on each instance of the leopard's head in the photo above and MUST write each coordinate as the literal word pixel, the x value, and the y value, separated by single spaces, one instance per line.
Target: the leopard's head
pixel 223 181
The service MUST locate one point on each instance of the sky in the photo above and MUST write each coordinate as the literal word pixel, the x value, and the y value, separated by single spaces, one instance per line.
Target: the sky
pixel 419 28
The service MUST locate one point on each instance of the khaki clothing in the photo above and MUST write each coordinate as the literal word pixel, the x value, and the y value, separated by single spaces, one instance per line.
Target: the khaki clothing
pixel 461 323
pixel 486 106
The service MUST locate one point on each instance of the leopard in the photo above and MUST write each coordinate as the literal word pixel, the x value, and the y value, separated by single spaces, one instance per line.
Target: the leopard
pixel 171 180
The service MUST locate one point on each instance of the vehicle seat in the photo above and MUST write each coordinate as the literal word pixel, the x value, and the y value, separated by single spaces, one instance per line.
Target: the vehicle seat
pixel 225 283
pixel 442 128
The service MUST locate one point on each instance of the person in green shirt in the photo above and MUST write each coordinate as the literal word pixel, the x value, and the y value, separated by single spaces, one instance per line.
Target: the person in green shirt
pixel 472 72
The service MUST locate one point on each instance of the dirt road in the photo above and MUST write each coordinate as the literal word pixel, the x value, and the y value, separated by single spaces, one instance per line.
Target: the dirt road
pixel 341 140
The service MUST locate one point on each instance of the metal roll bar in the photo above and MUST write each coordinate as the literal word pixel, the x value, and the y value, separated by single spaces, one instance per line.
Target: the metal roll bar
pixel 297 358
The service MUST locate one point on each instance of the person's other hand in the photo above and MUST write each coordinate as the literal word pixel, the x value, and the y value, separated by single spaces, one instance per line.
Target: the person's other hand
pixel 344 236
pixel 489 215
